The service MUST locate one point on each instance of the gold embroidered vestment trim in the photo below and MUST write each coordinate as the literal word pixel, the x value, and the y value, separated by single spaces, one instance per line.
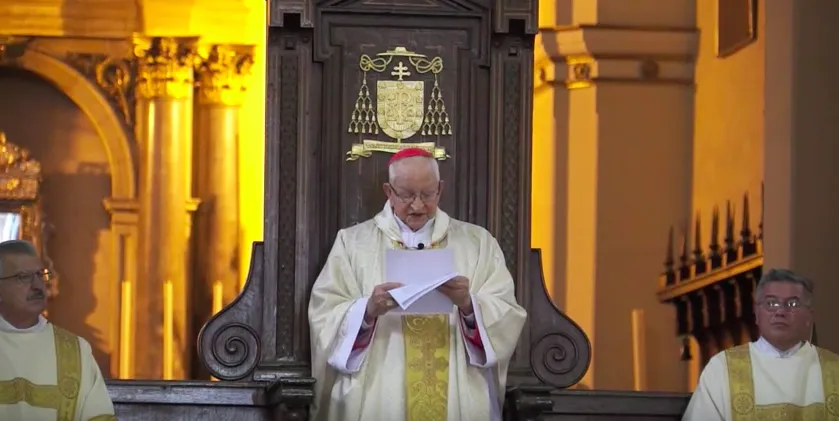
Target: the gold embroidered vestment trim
pixel 427 344
pixel 62 396
pixel 741 384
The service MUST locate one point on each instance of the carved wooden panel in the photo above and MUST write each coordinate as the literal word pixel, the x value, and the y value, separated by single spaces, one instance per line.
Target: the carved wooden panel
pixel 457 49
pixel 225 401
pixel 312 190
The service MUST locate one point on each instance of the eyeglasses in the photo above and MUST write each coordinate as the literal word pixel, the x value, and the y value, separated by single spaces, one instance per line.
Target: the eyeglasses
pixel 773 305
pixel 29 277
pixel 408 198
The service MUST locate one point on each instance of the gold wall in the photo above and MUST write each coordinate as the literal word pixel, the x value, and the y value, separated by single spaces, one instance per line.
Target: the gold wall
pixel 728 133
pixel 619 157
pixel 76 180
pixel 77 123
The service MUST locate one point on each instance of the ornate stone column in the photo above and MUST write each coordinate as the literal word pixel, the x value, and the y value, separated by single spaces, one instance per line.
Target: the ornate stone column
pixel 164 131
pixel 625 84
pixel 221 80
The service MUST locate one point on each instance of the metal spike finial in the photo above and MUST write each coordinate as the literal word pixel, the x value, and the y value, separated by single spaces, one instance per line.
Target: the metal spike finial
pixel 729 228
pixel 715 256
pixel 669 258
pixel 715 230
pixel 748 243
pixel 700 265
pixel 745 230
pixel 684 255
pixel 698 256
pixel 685 351
pixel 762 207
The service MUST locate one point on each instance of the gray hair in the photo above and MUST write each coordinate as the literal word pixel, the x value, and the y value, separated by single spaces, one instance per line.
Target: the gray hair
pixel 784 275
pixel 394 169
pixel 16 247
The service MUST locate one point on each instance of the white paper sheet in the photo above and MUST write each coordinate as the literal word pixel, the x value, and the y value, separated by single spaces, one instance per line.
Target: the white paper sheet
pixel 408 295
pixel 421 272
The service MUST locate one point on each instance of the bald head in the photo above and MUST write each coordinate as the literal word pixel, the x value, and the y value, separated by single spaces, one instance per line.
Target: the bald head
pixel 414 166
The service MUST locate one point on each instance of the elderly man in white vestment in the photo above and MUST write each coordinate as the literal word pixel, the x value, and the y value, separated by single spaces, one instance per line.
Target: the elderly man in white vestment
pixel 779 377
pixel 46 373
pixel 373 365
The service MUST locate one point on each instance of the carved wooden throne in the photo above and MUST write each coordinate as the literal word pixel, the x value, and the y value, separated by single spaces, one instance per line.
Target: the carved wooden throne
pixel 331 127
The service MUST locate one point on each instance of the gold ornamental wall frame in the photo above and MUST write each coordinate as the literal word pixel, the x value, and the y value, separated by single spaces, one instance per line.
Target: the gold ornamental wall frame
pixel 400 110
pixel 20 204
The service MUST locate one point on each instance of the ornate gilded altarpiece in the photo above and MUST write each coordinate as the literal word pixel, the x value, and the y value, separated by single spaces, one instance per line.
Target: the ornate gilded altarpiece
pixel 348 83
pixel 112 73
pixel 107 65
pixel 21 214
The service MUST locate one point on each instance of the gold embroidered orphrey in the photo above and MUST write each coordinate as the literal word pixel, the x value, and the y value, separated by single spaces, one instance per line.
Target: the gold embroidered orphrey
pixel 400 110
pixel 742 389
pixel 427 346
pixel 63 396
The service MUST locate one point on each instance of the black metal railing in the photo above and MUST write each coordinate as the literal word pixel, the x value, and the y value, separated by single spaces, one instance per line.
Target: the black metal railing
pixel 712 289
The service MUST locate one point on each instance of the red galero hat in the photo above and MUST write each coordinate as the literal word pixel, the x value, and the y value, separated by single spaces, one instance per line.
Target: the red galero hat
pixel 408 153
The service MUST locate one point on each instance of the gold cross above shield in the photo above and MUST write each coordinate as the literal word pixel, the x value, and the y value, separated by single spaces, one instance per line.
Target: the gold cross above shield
pixel 400 111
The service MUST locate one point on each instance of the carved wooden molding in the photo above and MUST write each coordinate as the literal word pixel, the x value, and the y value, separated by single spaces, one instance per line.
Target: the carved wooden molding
pixel 101 102
pixel 559 352
pixel 527 403
pixel 229 343
pixel 552 347
pixel 115 77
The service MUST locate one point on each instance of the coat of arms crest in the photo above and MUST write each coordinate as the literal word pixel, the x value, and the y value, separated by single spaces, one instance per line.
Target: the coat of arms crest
pixel 400 111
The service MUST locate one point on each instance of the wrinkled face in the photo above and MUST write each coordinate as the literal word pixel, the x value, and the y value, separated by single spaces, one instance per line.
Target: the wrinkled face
pixel 783 314
pixel 23 291
pixel 415 192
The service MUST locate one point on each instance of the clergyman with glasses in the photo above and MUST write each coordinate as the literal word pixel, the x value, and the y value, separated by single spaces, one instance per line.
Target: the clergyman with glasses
pixel 781 376
pixel 46 372
pixel 375 364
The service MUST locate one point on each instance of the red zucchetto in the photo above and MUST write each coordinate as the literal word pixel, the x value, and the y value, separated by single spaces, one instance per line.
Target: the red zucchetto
pixel 408 153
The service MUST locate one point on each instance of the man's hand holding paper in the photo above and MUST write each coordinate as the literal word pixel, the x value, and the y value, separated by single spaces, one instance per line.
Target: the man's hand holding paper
pixel 457 289
pixel 380 301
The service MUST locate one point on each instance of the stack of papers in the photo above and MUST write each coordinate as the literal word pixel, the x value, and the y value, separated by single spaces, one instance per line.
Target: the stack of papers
pixel 421 272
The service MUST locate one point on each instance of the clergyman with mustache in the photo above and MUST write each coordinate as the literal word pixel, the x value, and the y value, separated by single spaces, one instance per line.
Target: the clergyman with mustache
pixel 46 372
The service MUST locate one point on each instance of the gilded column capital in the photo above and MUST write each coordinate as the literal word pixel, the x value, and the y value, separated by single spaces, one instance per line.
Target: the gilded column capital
pixel 165 66
pixel 222 71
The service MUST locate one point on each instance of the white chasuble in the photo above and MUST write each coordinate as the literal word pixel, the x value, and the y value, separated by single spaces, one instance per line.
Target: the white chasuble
pixel 414 368
pixel 49 374
pixel 749 383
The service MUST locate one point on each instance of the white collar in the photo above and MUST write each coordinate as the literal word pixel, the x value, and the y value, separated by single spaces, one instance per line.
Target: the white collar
pixel 764 347
pixel 7 327
pixel 412 238
pixel 388 223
